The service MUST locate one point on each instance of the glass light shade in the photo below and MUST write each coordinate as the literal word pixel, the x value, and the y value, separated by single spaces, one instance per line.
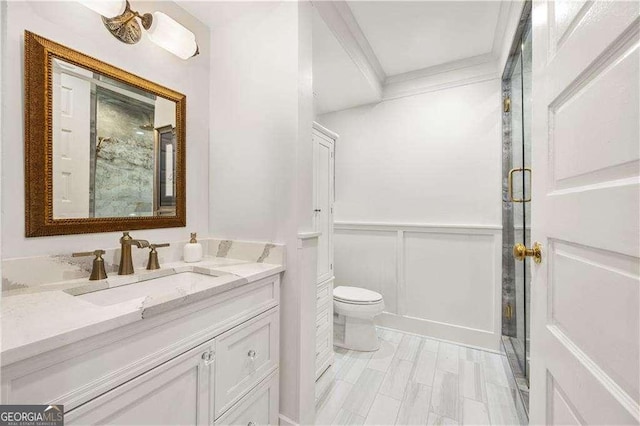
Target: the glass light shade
pixel 170 35
pixel 106 8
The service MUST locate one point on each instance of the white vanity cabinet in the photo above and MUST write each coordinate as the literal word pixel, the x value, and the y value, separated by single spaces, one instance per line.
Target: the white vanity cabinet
pixel 214 361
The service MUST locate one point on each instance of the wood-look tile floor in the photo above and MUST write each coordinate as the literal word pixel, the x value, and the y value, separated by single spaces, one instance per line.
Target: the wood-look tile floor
pixel 413 380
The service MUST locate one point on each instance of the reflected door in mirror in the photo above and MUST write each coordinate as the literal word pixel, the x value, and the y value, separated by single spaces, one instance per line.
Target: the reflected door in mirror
pixel 109 152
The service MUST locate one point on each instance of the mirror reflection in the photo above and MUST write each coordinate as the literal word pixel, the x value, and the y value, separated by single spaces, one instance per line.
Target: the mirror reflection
pixel 113 147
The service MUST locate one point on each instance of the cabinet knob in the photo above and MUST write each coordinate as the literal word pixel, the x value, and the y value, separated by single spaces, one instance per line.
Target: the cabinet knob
pixel 251 424
pixel 208 357
pixel 252 354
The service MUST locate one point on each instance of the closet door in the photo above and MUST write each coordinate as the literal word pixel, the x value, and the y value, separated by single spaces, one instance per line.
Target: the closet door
pixel 323 185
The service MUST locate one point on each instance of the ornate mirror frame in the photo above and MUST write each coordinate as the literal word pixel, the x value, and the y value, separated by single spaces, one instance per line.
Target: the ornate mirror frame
pixel 39 221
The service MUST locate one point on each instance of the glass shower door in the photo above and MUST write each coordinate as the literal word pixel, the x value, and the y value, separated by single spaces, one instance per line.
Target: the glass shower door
pixel 517 208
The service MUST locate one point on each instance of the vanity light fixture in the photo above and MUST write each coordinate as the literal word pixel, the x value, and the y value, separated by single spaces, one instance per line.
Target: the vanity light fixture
pixel 164 31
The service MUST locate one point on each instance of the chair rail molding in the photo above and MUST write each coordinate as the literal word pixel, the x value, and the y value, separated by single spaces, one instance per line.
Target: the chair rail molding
pixel 418 227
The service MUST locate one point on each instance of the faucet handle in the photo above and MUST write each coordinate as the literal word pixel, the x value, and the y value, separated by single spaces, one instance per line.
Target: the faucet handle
pixel 97 272
pixel 125 237
pixel 153 262
pixel 96 253
pixel 154 246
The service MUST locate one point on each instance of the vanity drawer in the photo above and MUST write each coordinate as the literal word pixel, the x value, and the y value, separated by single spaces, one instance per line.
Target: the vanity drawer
pixel 324 348
pixel 324 317
pixel 323 342
pixel 258 408
pixel 245 356
pixel 323 292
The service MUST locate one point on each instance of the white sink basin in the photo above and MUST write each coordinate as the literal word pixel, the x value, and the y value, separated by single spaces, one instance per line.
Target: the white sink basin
pixel 185 282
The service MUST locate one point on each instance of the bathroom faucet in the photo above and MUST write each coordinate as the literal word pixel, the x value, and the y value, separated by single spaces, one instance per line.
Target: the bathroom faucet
pixel 126 262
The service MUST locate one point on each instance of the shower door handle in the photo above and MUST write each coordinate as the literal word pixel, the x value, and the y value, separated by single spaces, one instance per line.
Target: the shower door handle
pixel 511 172
pixel 520 251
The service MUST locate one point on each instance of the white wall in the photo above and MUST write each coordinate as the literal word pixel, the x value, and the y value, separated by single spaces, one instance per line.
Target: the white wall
pixel 260 181
pixel 51 19
pixel 418 209
pixel 3 34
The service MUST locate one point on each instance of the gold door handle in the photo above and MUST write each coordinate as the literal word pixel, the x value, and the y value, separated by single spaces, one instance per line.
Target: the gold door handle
pixel 520 252
pixel 511 172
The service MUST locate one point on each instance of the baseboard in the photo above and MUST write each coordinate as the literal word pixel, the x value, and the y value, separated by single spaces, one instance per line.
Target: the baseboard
pixel 474 338
pixel 286 421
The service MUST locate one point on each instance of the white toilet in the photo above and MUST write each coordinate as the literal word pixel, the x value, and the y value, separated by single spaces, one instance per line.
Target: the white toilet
pixel 354 310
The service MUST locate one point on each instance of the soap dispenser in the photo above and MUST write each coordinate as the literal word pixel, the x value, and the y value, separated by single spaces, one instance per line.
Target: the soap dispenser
pixel 192 250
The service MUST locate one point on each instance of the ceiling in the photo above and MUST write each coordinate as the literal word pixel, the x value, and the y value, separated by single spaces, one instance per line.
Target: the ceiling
pixel 218 13
pixel 397 41
pixel 407 36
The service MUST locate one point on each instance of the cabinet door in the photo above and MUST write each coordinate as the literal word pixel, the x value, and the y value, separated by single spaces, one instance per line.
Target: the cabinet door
pixel 323 189
pixel 178 392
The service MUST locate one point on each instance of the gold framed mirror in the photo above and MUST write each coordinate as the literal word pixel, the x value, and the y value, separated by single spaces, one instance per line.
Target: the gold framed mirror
pixel 104 149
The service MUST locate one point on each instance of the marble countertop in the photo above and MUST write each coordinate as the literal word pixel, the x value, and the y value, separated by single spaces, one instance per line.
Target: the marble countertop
pixel 50 316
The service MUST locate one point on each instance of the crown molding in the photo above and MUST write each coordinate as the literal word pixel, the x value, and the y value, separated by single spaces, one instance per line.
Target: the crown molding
pixel 347 15
pixel 446 76
pixel 440 68
pixel 340 20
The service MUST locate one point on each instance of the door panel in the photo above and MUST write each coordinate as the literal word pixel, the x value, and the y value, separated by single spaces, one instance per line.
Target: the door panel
pixel 586 293
pixel 582 307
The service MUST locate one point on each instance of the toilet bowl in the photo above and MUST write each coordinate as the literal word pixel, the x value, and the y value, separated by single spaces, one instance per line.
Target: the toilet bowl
pixel 354 310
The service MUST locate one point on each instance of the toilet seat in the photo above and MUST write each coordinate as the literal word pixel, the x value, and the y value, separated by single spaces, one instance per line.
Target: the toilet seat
pixel 356 296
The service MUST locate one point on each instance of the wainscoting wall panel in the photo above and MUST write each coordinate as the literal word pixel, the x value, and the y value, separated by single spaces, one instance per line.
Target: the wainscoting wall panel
pixel 368 259
pixel 437 280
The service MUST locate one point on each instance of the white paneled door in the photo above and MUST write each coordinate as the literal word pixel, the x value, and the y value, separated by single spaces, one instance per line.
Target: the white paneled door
pixel 323 147
pixel 71 141
pixel 323 190
pixel 585 352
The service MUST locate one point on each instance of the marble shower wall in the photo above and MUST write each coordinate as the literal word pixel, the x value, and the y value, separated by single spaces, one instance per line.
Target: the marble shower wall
pixel 508 237
pixel 124 174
